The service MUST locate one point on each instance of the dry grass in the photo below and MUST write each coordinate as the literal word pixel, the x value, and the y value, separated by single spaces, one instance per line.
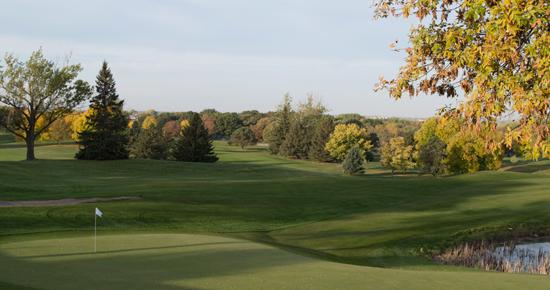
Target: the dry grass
pixel 497 257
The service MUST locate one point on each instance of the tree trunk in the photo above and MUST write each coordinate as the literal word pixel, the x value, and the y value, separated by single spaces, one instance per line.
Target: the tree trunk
pixel 30 148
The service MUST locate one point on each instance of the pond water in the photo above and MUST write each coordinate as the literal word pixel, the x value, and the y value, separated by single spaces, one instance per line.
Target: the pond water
pixel 525 256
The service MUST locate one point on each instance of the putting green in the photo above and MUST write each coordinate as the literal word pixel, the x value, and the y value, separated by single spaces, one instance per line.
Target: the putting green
pixel 183 261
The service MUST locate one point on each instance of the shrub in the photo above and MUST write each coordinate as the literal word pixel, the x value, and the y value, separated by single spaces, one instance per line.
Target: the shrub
pixel 353 162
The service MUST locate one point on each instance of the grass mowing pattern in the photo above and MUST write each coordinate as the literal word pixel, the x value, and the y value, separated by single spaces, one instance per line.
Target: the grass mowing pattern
pixel 306 207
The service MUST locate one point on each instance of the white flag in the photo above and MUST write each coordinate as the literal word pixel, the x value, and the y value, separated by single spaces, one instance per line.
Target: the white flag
pixel 98 212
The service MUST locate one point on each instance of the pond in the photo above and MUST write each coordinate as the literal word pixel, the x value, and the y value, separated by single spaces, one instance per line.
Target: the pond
pixel 522 257
pixel 530 257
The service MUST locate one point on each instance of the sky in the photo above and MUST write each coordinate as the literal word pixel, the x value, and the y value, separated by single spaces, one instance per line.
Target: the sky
pixel 231 55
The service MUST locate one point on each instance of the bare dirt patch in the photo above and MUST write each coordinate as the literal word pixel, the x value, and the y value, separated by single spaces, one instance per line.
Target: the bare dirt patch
pixel 65 201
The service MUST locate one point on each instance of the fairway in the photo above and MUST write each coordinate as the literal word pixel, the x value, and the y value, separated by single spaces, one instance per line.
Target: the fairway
pixel 254 221
pixel 181 261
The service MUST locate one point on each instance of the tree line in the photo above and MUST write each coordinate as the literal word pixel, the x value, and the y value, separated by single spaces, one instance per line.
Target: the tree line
pixel 40 99
pixel 41 102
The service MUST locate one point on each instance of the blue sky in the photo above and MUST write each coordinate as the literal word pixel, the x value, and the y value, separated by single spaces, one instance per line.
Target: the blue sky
pixel 231 55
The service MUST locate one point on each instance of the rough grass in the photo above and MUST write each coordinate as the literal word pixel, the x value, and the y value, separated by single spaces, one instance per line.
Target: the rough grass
pixel 307 208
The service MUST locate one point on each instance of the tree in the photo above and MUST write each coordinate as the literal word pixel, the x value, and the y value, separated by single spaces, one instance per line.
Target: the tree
pixel 243 137
pixel 432 156
pixel 171 129
pixel 105 136
pixel 150 144
pixel 353 162
pixel 467 152
pixel 396 155
pixel 299 138
pixel 149 121
pixel 496 53
pixel 37 89
pixel 250 118
pixel 209 121
pixel 279 127
pixel 194 143
pixel 259 128
pixel 226 124
pixel 321 135
pixel 345 137
pixel 297 141
pixel 59 130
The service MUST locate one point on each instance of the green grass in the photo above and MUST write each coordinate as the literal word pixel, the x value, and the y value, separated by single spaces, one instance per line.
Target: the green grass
pixel 308 209
pixel 181 261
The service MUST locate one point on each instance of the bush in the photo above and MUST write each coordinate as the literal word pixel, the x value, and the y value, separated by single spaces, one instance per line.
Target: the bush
pixel 353 162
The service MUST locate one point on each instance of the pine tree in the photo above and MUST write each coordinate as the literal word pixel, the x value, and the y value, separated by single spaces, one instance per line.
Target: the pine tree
pixel 150 144
pixel 194 144
pixel 353 162
pixel 321 135
pixel 106 133
pixel 297 141
pixel 281 126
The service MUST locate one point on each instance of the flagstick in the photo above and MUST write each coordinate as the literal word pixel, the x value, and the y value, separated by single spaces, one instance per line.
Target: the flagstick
pixel 95 232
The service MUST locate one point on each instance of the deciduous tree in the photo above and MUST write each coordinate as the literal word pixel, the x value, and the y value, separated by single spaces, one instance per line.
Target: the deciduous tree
pixel 36 90
pixel 495 53
pixel 396 155
pixel 345 137
pixel 243 137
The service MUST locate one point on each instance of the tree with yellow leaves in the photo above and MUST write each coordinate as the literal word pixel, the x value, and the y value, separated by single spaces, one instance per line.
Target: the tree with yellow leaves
pixel 346 136
pixel 396 155
pixel 495 53
pixel 148 122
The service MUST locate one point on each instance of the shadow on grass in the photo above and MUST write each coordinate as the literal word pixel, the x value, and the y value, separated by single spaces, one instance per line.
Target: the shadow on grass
pixel 141 271
pixel 133 250
pixel 529 167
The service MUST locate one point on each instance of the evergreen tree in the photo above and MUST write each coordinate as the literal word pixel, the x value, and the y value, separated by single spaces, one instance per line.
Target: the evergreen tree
pixel 281 126
pixel 431 156
pixel 321 135
pixel 297 141
pixel 353 162
pixel 106 133
pixel 194 144
pixel 150 144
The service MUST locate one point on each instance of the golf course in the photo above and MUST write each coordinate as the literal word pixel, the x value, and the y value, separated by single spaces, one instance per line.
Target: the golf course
pixel 254 221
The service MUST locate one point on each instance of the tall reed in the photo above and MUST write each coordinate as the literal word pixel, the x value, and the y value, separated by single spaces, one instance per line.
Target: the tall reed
pixel 492 257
